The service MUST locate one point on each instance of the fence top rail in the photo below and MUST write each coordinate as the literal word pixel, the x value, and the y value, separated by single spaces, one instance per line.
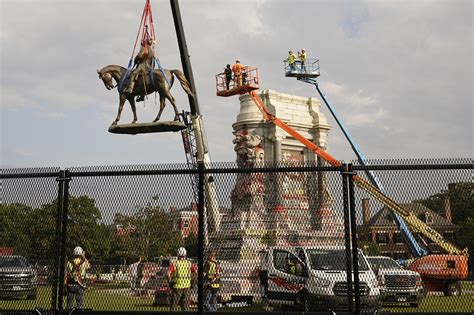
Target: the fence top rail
pixel 414 167
pixel 222 168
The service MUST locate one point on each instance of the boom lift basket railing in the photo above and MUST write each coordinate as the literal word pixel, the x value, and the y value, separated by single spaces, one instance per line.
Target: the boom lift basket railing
pixel 310 69
pixel 250 82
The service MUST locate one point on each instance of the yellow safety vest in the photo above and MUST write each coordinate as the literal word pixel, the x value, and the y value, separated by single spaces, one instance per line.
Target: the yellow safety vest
pixel 291 59
pixel 76 271
pixel 303 57
pixel 182 274
pixel 212 273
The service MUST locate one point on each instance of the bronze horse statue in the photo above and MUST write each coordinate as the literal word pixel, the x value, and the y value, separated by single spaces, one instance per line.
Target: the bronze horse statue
pixel 144 86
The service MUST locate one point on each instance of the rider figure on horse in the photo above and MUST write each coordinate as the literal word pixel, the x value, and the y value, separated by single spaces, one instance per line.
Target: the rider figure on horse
pixel 143 62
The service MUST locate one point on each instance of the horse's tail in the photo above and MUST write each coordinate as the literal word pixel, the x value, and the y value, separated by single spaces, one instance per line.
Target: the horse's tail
pixel 184 82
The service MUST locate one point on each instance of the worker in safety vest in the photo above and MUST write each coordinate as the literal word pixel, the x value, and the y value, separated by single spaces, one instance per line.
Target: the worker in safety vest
pixel 143 63
pixel 74 279
pixel 291 60
pixel 237 69
pixel 181 276
pixel 302 56
pixel 291 266
pixel 213 277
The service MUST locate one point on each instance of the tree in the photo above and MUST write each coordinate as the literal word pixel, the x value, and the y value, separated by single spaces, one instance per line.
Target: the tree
pixel 191 245
pixel 460 197
pixel 14 219
pixel 148 233
pixel 83 228
pixel 462 212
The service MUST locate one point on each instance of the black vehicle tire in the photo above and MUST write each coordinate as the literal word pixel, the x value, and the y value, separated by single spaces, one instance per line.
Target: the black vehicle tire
pixel 301 302
pixel 453 289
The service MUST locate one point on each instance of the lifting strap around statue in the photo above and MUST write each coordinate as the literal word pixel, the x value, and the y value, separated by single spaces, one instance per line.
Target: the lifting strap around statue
pixel 146 23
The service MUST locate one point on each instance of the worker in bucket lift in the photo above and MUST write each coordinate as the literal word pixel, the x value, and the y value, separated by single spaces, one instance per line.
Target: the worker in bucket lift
pixel 291 60
pixel 302 56
pixel 237 69
pixel 227 75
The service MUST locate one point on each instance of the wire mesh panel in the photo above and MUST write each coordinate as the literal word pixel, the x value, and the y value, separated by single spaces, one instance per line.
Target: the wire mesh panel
pixel 28 214
pixel 280 224
pixel 130 221
pixel 427 233
pixel 274 237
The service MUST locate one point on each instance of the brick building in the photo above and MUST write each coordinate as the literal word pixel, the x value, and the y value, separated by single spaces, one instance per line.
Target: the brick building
pixel 185 220
pixel 382 229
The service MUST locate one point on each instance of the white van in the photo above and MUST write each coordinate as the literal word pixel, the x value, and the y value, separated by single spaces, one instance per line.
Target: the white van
pixel 314 278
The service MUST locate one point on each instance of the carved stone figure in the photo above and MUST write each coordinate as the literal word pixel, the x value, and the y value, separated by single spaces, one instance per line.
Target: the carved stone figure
pixel 111 73
pixel 249 154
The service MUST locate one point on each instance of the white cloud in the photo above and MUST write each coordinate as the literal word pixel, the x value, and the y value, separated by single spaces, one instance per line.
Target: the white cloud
pixel 392 70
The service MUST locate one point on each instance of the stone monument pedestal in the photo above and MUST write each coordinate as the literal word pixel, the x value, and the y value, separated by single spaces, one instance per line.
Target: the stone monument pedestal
pixel 285 209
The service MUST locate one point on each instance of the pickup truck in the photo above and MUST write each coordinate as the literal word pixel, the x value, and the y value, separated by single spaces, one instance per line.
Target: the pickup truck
pixel 17 278
pixel 397 285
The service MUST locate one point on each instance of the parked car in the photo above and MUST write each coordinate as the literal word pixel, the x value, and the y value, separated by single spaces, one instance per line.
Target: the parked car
pixel 17 278
pixel 314 278
pixel 397 285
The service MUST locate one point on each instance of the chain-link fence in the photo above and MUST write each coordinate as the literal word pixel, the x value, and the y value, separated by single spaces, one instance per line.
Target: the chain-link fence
pixel 299 237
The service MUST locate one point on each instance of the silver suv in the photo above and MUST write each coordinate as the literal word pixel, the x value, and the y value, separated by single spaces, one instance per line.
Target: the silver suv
pixel 17 278
pixel 397 285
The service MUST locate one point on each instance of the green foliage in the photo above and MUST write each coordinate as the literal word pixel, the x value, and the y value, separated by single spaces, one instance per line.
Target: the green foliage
pixel 462 212
pixel 369 248
pixel 83 226
pixel 191 245
pixel 149 233
pixel 32 232
pixel 460 196
pixel 13 230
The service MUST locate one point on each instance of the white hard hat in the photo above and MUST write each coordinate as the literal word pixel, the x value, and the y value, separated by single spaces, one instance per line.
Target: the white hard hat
pixel 78 251
pixel 303 49
pixel 181 252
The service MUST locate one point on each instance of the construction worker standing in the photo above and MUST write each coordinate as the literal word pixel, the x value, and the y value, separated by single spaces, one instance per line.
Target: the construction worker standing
pixel 181 274
pixel 74 279
pixel 213 277
pixel 291 60
pixel 302 56
pixel 228 75
pixel 237 69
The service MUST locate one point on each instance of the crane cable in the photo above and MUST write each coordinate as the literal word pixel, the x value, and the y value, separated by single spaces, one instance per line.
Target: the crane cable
pixel 146 23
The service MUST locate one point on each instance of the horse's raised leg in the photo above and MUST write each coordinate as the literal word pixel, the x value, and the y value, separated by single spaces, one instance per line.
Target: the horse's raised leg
pixel 122 100
pixel 131 100
pixel 171 99
pixel 162 106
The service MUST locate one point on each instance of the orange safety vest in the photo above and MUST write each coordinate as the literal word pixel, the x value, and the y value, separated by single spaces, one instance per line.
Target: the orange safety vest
pixel 237 68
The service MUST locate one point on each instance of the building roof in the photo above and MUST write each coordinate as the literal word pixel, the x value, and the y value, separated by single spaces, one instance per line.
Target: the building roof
pixel 383 217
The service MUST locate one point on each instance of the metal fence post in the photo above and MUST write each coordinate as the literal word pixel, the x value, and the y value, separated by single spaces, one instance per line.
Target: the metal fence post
pixel 61 222
pixel 200 236
pixel 355 252
pixel 347 234
pixel 65 179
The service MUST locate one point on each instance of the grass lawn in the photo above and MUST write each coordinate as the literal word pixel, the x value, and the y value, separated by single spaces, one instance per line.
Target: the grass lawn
pixel 440 304
pixel 108 298
pixel 97 299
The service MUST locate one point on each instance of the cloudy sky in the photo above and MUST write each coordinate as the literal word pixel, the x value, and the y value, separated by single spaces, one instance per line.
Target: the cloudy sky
pixel 398 72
